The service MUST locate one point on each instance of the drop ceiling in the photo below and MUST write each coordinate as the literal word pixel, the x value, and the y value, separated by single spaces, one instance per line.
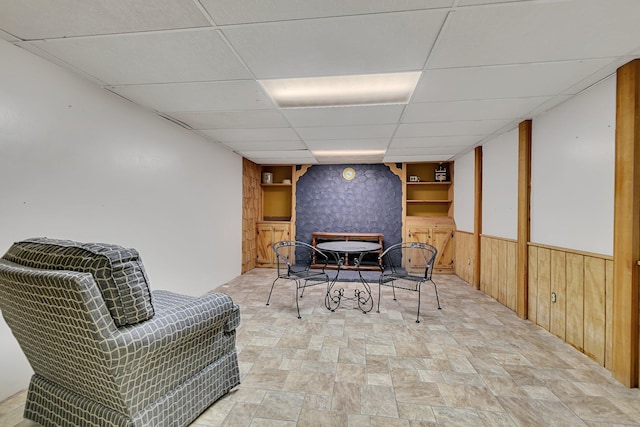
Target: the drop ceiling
pixel 485 65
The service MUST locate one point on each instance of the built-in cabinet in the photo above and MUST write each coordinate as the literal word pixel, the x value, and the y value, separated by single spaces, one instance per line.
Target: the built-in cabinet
pixel 438 233
pixel 426 196
pixel 428 210
pixel 276 217
pixel 267 233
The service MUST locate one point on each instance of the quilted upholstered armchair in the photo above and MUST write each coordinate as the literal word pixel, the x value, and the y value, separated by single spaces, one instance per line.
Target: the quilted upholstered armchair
pixel 107 351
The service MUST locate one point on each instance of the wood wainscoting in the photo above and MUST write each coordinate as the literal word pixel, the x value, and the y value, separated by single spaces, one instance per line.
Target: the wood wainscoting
pixel 250 212
pixel 571 296
pixel 465 255
pixel 498 269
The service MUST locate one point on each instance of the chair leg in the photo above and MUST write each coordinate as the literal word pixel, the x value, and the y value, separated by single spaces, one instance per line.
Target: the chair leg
pixel 418 316
pixel 297 305
pixel 437 297
pixel 303 288
pixel 274 282
pixel 393 286
pixel 379 293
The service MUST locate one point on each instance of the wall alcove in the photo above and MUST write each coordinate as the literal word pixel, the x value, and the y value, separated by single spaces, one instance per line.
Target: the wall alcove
pixel 371 202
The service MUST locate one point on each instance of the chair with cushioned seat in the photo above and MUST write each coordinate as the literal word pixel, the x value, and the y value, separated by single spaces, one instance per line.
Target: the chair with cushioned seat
pixel 104 348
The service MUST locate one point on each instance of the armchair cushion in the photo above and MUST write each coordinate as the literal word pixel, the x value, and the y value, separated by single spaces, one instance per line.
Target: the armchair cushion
pixel 118 272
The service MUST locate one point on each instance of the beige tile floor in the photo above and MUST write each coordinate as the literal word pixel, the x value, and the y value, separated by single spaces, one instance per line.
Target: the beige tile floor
pixel 473 363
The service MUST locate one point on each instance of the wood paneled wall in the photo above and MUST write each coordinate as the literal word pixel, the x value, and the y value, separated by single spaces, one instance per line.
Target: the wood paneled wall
pixel 465 256
pixel 250 212
pixel 498 269
pixel 581 284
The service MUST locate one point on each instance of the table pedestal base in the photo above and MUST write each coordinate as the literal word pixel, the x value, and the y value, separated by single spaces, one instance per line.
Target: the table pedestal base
pixel 334 297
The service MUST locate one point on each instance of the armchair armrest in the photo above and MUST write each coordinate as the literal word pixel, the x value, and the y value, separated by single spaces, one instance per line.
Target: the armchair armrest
pixel 186 315
pixel 173 323
pixel 185 336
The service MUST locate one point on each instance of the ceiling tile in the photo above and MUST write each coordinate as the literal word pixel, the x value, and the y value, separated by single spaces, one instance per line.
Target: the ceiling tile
pixel 478 127
pixel 471 110
pixel 267 134
pixel 188 97
pixel 349 144
pixel 8 37
pixel 232 119
pixel 344 116
pixel 242 11
pixel 482 2
pixel 35 19
pixel 280 156
pixel 527 31
pixel 353 159
pixel 434 141
pixel 342 45
pixel 505 81
pixel 542 108
pixel 346 132
pixel 432 151
pixel 242 146
pixel 175 56
pixel 399 158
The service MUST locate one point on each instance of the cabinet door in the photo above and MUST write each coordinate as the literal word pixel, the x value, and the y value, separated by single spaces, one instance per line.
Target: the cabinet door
pixel 415 264
pixel 280 232
pixel 264 240
pixel 441 238
pixel 267 235
pixel 418 234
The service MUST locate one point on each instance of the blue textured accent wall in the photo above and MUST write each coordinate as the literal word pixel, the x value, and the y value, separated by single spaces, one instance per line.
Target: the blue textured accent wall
pixel 370 203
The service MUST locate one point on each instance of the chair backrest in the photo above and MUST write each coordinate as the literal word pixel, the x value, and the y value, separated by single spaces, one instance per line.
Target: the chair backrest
pixel 61 322
pixel 118 272
pixel 296 256
pixel 412 258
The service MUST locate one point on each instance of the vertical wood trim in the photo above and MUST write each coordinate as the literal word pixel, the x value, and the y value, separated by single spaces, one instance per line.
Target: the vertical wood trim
pixel 594 307
pixel 524 198
pixel 544 287
pixel 532 300
pixel 485 270
pixel 512 268
pixel 575 301
pixel 626 242
pixel 477 218
pixel 494 284
pixel 502 271
pixel 608 292
pixel 558 319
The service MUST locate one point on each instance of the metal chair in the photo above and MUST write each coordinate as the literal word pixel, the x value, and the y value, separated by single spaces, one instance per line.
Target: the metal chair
pixel 294 263
pixel 418 260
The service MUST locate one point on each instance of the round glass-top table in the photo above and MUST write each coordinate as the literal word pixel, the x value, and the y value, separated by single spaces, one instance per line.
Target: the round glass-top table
pixel 338 248
pixel 348 246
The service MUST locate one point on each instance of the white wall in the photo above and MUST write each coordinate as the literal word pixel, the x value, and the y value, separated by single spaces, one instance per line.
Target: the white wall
pixel 77 162
pixel 572 172
pixel 463 191
pixel 500 186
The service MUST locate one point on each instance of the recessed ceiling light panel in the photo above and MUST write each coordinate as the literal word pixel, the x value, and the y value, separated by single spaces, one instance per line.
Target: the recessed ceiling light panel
pixel 369 89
